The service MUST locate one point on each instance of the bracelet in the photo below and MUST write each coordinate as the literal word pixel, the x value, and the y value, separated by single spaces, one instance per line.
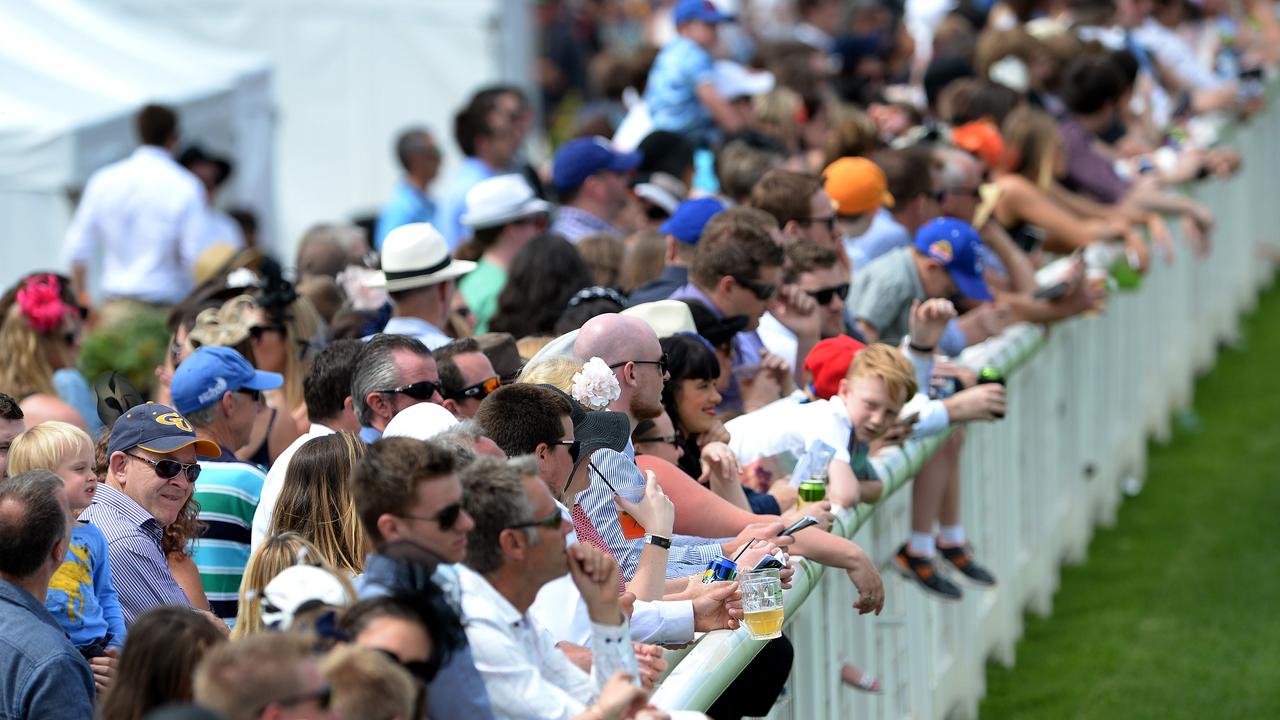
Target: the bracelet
pixel 922 350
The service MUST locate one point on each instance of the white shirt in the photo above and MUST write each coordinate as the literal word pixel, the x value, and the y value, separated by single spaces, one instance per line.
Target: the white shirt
pixel 789 426
pixel 560 609
pixel 777 338
pixel 524 672
pixel 429 334
pixel 148 216
pixel 275 483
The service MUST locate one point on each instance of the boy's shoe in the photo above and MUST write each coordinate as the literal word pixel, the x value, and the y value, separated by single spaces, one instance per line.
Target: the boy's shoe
pixel 962 559
pixel 921 570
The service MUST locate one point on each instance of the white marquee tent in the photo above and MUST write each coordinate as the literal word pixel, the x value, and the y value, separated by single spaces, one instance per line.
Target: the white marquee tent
pixel 71 79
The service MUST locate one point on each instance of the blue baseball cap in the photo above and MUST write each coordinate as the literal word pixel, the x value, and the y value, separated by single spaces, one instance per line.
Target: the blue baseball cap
pixel 210 371
pixel 703 10
pixel 690 216
pixel 158 428
pixel 581 158
pixel 957 247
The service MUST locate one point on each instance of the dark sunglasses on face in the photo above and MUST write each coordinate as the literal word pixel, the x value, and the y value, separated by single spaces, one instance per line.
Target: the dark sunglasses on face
pixel 421 390
pixel 823 296
pixel 254 395
pixel 575 447
pixel 423 670
pixel 760 290
pixel 169 469
pixel 550 522
pixel 669 439
pixel 479 391
pixel 446 518
pixel 660 362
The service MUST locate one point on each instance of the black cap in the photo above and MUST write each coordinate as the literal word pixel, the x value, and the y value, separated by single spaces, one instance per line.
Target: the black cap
pixel 717 330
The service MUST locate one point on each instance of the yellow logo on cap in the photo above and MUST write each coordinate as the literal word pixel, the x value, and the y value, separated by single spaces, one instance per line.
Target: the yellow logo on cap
pixel 941 251
pixel 175 420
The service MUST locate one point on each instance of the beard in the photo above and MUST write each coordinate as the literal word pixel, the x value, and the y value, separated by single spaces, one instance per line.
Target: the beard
pixel 644 408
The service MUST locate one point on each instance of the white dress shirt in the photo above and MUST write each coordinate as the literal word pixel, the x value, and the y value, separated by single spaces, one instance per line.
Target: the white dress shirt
pixel 148 215
pixel 560 609
pixel 778 339
pixel 429 334
pixel 275 483
pixel 525 674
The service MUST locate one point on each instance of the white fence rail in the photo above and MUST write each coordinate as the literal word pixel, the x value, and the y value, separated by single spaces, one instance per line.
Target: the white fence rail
pixel 1083 399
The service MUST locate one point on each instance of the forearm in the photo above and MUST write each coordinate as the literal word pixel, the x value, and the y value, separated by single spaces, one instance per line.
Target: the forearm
pixel 730 490
pixel 700 511
pixel 842 484
pixel 1022 276
pixel 1025 308
pixel 828 549
pixel 650 579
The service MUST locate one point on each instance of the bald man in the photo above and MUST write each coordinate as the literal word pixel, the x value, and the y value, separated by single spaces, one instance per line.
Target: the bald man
pixel 630 347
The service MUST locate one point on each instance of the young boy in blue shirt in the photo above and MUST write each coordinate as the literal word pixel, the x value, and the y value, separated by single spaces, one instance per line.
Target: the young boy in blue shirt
pixel 681 93
pixel 81 595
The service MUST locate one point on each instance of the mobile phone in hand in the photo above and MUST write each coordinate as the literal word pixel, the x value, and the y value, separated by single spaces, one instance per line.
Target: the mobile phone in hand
pixel 799 525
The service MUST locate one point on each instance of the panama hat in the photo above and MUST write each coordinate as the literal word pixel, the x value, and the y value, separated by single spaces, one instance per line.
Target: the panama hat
pixel 416 255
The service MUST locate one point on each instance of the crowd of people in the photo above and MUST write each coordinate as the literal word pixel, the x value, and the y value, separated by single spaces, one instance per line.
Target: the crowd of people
pixel 395 478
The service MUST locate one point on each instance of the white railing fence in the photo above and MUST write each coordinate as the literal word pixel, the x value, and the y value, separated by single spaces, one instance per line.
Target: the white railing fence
pixel 1083 400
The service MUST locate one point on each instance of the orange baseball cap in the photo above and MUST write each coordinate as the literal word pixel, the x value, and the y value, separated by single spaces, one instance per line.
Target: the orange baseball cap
pixel 981 138
pixel 828 363
pixel 856 186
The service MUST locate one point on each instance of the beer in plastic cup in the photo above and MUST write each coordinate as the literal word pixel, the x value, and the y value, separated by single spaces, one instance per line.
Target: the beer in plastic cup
pixel 762 609
pixel 631 528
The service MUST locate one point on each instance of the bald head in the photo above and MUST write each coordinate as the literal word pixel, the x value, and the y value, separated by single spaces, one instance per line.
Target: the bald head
pixel 616 338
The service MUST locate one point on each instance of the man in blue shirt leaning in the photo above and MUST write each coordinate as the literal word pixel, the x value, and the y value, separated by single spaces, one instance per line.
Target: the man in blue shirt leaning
pixel 409 203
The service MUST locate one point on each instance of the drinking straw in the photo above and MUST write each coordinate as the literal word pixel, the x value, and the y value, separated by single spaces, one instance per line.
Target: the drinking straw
pixel 744 549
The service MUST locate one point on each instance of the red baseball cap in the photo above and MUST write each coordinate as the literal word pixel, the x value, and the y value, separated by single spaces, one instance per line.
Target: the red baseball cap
pixel 828 363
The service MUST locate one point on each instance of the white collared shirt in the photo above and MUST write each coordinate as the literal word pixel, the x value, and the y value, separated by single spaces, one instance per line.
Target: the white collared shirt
pixel 429 334
pixel 148 216
pixel 560 609
pixel 787 425
pixel 526 675
pixel 275 483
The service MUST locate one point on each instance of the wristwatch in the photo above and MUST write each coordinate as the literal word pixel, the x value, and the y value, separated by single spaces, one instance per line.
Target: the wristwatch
pixel 662 542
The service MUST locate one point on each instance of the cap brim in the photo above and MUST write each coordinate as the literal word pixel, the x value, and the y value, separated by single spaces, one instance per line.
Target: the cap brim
pixel 886 199
pixel 659 196
pixel 971 286
pixel 173 443
pixel 263 380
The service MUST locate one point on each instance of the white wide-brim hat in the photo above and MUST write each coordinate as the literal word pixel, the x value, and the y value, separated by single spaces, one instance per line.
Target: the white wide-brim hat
pixel 416 255
pixel 501 199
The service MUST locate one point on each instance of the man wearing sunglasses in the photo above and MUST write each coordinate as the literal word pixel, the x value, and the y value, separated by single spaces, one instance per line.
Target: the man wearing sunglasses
pixel 392 373
pixel 221 393
pixel 466 376
pixel 815 271
pixel 151 474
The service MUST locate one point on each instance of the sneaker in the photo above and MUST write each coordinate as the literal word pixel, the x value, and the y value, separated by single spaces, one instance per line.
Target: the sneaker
pixel 921 570
pixel 962 558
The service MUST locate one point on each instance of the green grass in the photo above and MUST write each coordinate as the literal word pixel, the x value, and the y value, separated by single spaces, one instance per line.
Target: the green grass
pixel 1176 613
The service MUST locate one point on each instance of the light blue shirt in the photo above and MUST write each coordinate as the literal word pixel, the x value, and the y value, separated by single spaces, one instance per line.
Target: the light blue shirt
pixel 42 675
pixel 407 205
pixel 671 91
pixel 453 200
pixel 884 234
pixel 428 334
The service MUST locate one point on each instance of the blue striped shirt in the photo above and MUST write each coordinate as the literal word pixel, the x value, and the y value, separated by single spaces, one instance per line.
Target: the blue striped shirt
pixel 138 567
pixel 688 555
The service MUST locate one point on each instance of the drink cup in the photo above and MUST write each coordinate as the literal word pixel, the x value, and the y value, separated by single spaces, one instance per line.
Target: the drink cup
pixel 762 603
pixel 631 528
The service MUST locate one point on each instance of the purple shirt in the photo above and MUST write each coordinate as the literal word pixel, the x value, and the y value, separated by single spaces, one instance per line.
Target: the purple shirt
pixel 1088 172
pixel 746 348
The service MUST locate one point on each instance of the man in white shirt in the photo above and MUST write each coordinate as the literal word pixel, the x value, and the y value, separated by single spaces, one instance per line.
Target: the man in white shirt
pixel 392 372
pixel 327 392
pixel 421 277
pixel 147 214
pixel 516 547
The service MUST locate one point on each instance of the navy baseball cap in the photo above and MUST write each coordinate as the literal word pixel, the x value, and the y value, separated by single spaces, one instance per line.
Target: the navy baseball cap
pixel 158 428
pixel 211 371
pixel 581 158
pixel 690 216
pixel 957 247
pixel 703 10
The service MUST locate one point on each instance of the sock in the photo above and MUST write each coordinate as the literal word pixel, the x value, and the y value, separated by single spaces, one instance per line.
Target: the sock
pixel 952 535
pixel 922 545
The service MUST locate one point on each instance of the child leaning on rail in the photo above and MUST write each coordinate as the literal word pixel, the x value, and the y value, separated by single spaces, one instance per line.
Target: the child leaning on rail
pixel 81 595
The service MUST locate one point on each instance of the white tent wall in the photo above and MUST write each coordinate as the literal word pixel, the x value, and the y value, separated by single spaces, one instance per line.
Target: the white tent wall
pixel 74 76
pixel 349 75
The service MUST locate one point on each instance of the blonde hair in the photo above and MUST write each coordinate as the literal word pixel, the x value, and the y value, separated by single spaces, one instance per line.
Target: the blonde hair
pixel 303 328
pixel 26 369
pixel 890 365
pixel 46 445
pixel 368 684
pixel 556 370
pixel 1033 137
pixel 315 501
pixel 270 559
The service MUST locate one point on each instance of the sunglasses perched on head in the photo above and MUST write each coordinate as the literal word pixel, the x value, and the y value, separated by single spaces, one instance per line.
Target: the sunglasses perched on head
pixel 421 390
pixel 169 469
pixel 479 391
pixel 760 290
pixel 823 296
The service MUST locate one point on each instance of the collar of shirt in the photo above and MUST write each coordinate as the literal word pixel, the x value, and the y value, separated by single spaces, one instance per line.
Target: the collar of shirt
pixel 480 599
pixel 693 292
pixel 582 222
pixel 15 595
pixel 417 327
pixel 839 411
pixel 153 151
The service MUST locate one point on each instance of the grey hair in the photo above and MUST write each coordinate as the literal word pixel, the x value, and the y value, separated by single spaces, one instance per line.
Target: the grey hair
pixel 204 416
pixel 460 440
pixel 494 497
pixel 376 369
pixel 32 522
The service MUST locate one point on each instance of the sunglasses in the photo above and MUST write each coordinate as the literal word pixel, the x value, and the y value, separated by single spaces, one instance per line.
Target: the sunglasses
pixel 575 447
pixel 654 212
pixel 760 290
pixel 421 390
pixel 257 331
pixel 254 395
pixel 823 296
pixel 479 391
pixel 669 439
pixel 660 362
pixel 446 518
pixel 550 522
pixel 423 670
pixel 169 469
